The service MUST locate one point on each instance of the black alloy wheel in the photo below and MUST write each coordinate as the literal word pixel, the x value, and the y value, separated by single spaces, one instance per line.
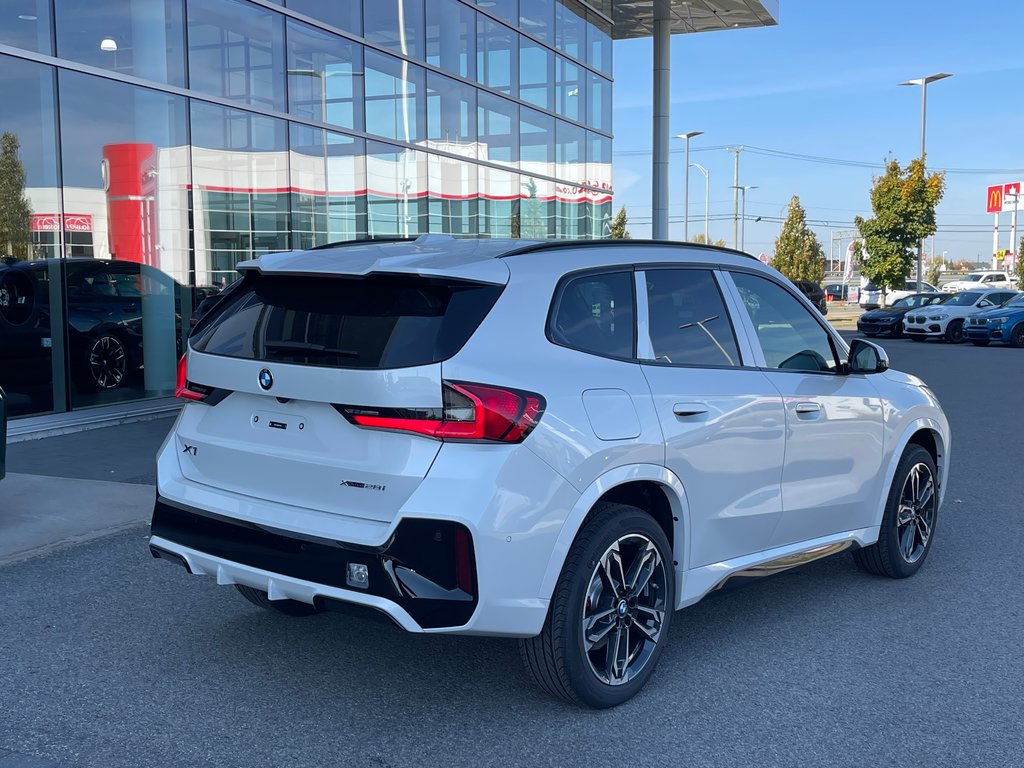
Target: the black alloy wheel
pixel 609 616
pixel 955 332
pixel 1017 336
pixel 106 362
pixel 908 524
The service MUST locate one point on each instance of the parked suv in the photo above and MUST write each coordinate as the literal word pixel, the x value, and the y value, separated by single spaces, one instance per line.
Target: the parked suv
pixel 560 442
pixel 871 295
pixel 946 320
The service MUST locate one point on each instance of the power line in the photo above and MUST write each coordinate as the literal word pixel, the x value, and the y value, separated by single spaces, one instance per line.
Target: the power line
pixel 822 160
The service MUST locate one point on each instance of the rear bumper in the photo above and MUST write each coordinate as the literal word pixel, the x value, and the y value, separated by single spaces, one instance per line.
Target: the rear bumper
pixel 414 578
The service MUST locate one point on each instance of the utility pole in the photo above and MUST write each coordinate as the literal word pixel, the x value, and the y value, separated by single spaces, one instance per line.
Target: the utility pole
pixel 736 197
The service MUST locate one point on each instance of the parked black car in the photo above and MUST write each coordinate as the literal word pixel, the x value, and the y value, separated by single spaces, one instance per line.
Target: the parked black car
pixel 815 293
pixel 104 319
pixel 890 319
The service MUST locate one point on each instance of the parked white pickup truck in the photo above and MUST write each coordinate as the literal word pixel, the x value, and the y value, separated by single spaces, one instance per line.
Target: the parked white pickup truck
pixel 980 280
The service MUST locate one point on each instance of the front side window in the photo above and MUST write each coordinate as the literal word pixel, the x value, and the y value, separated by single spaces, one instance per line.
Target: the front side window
pixel 790 337
pixel 687 319
pixel 594 313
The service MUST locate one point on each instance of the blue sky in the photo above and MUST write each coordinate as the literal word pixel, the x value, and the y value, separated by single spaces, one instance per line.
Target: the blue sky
pixel 823 83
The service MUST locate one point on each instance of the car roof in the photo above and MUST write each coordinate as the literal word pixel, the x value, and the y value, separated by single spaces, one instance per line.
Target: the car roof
pixel 478 258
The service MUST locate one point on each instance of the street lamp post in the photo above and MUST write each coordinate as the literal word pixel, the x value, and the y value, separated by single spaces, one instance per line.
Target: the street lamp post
pixel 686 183
pixel 923 82
pixel 743 211
pixel 707 200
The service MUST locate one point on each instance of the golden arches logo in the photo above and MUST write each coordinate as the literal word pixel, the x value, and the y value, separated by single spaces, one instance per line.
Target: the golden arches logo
pixel 995 199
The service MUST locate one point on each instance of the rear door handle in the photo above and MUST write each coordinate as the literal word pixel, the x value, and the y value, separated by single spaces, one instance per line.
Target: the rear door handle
pixel 808 408
pixel 689 409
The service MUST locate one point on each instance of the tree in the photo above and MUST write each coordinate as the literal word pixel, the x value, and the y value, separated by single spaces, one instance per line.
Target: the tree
pixel 1018 264
pixel 531 222
pixel 619 231
pixel 798 254
pixel 699 239
pixel 903 201
pixel 15 211
pixel 934 271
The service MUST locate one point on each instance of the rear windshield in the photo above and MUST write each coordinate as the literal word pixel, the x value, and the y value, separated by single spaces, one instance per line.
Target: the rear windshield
pixel 382 321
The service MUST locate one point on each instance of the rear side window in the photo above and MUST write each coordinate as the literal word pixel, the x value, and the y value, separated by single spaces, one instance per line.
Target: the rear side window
pixel 688 321
pixel 377 322
pixel 594 313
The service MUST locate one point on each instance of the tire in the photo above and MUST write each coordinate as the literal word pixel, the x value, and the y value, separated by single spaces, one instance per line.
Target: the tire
pixel 902 547
pixel 916 338
pixel 980 342
pixel 955 332
pixel 1017 336
pixel 897 331
pixel 102 363
pixel 616 536
pixel 287 607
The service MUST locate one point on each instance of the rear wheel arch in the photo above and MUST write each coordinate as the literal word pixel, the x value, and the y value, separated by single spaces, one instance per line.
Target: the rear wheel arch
pixel 649 487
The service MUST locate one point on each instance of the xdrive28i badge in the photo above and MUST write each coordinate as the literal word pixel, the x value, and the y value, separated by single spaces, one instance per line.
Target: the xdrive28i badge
pixel 266 379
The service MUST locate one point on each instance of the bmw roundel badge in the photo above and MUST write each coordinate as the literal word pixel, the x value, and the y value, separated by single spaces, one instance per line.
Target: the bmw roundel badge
pixel 266 379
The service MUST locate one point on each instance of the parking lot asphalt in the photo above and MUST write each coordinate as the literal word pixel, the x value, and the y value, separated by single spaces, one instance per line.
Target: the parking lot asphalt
pixel 109 658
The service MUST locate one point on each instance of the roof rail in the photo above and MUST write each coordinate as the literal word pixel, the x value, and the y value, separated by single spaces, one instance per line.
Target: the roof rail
pixel 363 241
pixel 556 244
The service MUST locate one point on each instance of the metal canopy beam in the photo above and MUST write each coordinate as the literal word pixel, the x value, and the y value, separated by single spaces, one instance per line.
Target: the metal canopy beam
pixel 635 18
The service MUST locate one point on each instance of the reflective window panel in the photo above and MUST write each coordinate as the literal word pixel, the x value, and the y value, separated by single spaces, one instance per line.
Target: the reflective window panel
pixel 396 191
pixel 537 17
pixel 570 90
pixel 26 24
pixel 507 10
pixel 498 128
pixel 536 73
pixel 570 28
pixel 30 234
pixel 499 203
pixel 395 24
pixel 452 186
pixel 328 187
pixel 599 43
pixel 599 102
pixel 325 76
pixel 536 208
pixel 451 114
pixel 497 58
pixel 344 14
pixel 241 199
pixel 144 38
pixel 394 97
pixel 451 37
pixel 128 294
pixel 236 50
pixel 599 161
pixel 536 143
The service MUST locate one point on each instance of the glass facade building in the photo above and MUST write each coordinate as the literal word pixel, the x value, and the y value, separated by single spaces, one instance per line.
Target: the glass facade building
pixel 148 146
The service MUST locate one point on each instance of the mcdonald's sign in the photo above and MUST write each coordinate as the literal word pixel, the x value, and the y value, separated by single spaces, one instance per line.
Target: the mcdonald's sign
pixel 994 199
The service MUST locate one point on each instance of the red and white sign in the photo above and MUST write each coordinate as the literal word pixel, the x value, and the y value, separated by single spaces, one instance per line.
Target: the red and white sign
pixel 50 222
pixel 1002 198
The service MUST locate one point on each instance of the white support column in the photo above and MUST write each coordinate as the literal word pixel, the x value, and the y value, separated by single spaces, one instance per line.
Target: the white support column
pixel 660 145
pixel 995 240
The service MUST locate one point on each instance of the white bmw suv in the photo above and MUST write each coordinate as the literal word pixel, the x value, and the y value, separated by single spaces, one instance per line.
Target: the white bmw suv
pixel 562 442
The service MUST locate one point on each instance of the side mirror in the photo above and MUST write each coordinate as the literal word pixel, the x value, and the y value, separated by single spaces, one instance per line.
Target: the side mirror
pixel 866 357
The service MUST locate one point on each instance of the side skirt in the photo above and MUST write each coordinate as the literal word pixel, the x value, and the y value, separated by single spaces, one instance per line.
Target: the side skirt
pixel 698 582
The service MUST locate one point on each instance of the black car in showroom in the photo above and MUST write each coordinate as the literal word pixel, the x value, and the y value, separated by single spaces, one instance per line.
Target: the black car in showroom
pixel 105 301
pixel 890 319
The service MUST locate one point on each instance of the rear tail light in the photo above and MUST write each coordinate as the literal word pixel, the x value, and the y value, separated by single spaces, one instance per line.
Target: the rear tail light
pixel 185 389
pixel 476 412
